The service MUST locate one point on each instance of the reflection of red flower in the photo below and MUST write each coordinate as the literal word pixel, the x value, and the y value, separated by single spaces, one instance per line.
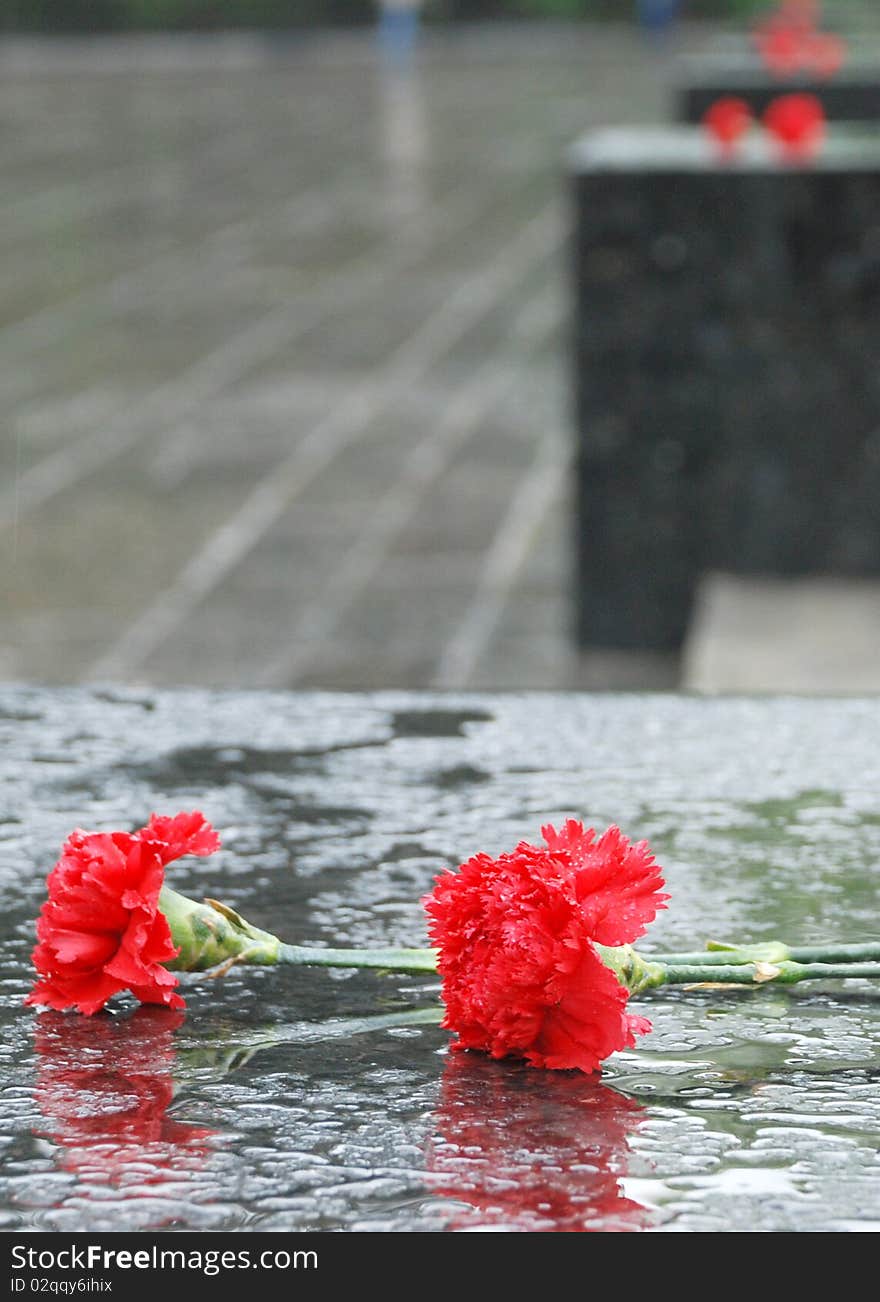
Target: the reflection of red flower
pixel 826 54
pixel 782 48
pixel 797 122
pixel 727 119
pixel 105 1085
pixel 101 930
pixel 789 42
pixel 516 936
pixel 529 1153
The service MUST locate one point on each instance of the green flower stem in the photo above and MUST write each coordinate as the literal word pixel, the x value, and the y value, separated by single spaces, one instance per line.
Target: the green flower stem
pixel 716 954
pixel 726 956
pixel 210 935
pixel 763 973
pixel 868 952
pixel 397 960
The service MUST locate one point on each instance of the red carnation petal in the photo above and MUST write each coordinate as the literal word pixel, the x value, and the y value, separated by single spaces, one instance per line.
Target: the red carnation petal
pixel 589 1022
pixel 156 995
pixel 145 874
pixel 162 977
pixel 617 883
pixel 81 948
pixel 158 945
pixel 183 834
pixel 825 54
pixel 88 994
pixel 127 968
pixel 637 1026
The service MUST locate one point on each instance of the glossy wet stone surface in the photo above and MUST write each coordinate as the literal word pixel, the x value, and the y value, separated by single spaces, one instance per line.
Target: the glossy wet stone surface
pixel 727 416
pixel 260 1109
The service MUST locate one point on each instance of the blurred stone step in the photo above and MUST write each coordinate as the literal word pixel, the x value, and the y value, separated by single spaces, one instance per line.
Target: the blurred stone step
pixel 812 635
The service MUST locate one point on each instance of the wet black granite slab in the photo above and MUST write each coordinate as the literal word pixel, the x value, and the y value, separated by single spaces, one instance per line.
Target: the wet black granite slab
pixel 727 326
pixel 261 1109
pixel 849 96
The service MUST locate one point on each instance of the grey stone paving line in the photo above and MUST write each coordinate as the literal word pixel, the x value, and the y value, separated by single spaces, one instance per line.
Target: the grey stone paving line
pixel 157 54
pixel 540 487
pixel 41 210
pixel 92 196
pixel 112 299
pixel 223 550
pixel 101 184
pixel 224 365
pixel 318 622
pixel 232 157
pixel 50 324
pixel 113 295
pixel 46 209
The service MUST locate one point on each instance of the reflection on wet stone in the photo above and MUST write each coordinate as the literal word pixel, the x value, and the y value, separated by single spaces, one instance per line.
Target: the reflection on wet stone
pixel 436 723
pixel 104 1087
pixel 519 1150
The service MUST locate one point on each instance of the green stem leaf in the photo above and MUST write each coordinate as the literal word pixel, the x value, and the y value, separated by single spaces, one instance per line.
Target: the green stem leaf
pixel 395 960
pixel 716 954
pixel 762 973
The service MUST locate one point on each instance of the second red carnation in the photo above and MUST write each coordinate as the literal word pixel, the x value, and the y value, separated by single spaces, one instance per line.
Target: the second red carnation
pixel 517 939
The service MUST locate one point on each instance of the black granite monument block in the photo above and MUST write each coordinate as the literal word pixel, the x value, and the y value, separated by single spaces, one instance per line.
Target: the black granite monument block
pixel 727 371
pixel 853 97
pixel 851 94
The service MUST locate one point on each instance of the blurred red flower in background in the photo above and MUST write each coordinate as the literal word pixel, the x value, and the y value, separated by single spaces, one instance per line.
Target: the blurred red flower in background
pixel 726 120
pixel 797 122
pixel 826 54
pixel 781 49
pixel 516 938
pixel 789 42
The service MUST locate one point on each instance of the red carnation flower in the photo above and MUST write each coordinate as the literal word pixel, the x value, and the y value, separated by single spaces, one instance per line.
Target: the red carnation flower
pixel 101 930
pixel 517 938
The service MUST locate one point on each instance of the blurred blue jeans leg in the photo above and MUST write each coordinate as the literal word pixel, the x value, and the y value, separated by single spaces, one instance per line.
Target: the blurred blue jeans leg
pixel 398 29
pixel 658 16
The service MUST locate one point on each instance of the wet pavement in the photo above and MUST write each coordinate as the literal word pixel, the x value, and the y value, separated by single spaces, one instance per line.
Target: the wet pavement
pixel 271 1105
pixel 282 358
pixel 283 372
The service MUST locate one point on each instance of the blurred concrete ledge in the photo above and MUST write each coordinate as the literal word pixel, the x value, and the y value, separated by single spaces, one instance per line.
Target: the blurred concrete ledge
pixel 809 635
